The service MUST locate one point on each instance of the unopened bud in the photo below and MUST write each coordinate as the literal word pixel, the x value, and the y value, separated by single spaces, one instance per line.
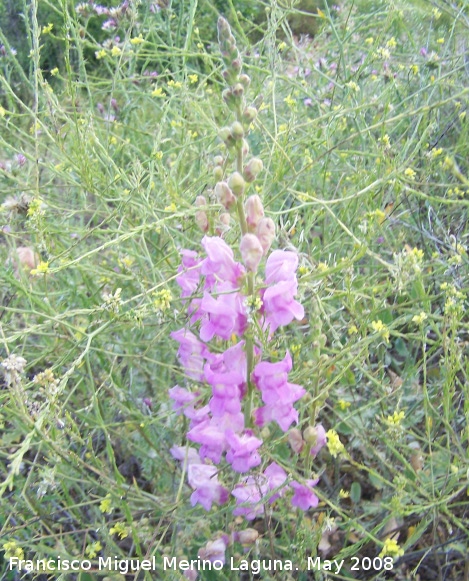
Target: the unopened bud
pixel 244 147
pixel 236 65
pixel 200 201
pixel 201 220
pixel 238 90
pixel 252 169
pixel 315 437
pixel 251 251
pixel 249 114
pixel 237 130
pixel 218 173
pixel 254 211
pixel 416 458
pixel 236 183
pixel 266 233
pixel 226 136
pixel 245 80
pixel 224 195
pixel 295 440
pixel 225 219
pixel 247 537
pixel 218 160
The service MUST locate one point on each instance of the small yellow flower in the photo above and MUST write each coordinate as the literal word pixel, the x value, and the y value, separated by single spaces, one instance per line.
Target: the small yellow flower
pixel 410 173
pixel 440 40
pixel 2 111
pixel 158 154
pixel 137 40
pixel 12 550
pixel 343 405
pixel 193 79
pixel 369 40
pixel 391 549
pixel 282 46
pixel 379 327
pixel 334 444
pixel 174 84
pixel 383 53
pixel 55 71
pixel 119 529
pixel 391 43
pixel 163 300
pixel 116 51
pixel 414 69
pixel 353 86
pixel 105 506
pixel 303 270
pixel 158 92
pixel 352 330
pixel 47 29
pixel 100 54
pixel 171 208
pixel 93 549
pixel 290 101
pixel 344 493
pixel 42 268
pixel 396 419
pixel 435 152
pixel 436 13
pixel 419 319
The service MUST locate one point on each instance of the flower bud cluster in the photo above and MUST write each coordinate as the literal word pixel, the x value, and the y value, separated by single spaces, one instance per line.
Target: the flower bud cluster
pixel 237 394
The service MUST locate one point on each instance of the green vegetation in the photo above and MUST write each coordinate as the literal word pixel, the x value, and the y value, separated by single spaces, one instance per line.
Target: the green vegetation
pixel 105 144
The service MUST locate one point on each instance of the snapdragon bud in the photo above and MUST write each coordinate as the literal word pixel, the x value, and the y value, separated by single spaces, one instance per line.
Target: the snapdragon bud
pixel 266 233
pixel 218 173
pixel 224 195
pixel 251 251
pixel 229 98
pixel 226 136
pixel 237 130
pixel 218 160
pixel 236 183
pixel 201 218
pixel 295 440
pixel 223 224
pixel 249 114
pixel 252 169
pixel 247 537
pixel 238 90
pixel 225 219
pixel 244 147
pixel 245 80
pixel 254 211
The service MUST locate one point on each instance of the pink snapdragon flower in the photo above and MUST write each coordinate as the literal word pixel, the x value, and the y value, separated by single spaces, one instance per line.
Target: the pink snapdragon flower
pixel 276 477
pixel 207 490
pixel 189 273
pixel 304 496
pixel 249 494
pixel 277 393
pixel 279 305
pixel 242 453
pixel 226 391
pixel 191 353
pixel 280 266
pixel 223 316
pixel 220 265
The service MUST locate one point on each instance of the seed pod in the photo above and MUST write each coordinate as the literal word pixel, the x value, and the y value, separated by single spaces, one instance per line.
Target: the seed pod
pixel 245 80
pixel 249 114
pixel 237 130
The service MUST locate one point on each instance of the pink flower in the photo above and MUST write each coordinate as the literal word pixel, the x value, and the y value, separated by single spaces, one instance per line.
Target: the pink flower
pixel 214 550
pixel 276 477
pixel 226 391
pixel 220 266
pixel 242 454
pixel 304 496
pixel 191 353
pixel 185 454
pixel 281 266
pixel 189 276
pixel 212 438
pixel 224 316
pixel 207 490
pixel 250 493
pixel 279 306
pixel 251 251
pixel 283 415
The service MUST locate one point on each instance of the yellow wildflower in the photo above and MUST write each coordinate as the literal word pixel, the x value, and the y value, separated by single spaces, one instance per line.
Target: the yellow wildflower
pixel 440 40
pixel 334 444
pixel 47 29
pixel 343 405
pixel 163 300
pixel 119 529
pixel 100 54
pixel 193 79
pixel 391 548
pixel 379 327
pixel 419 319
pixel 410 173
pixel 116 51
pixel 12 550
pixel 171 208
pixel 42 268
pixel 2 111
pixel 105 506
pixel 137 40
pixel 54 71
pixel 158 92
pixel 396 419
pixel 93 549
pixel 290 101
pixel 391 43
pixel 369 40
pixel 344 493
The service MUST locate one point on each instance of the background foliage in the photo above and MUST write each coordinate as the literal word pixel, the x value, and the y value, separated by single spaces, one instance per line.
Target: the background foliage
pixel 104 146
